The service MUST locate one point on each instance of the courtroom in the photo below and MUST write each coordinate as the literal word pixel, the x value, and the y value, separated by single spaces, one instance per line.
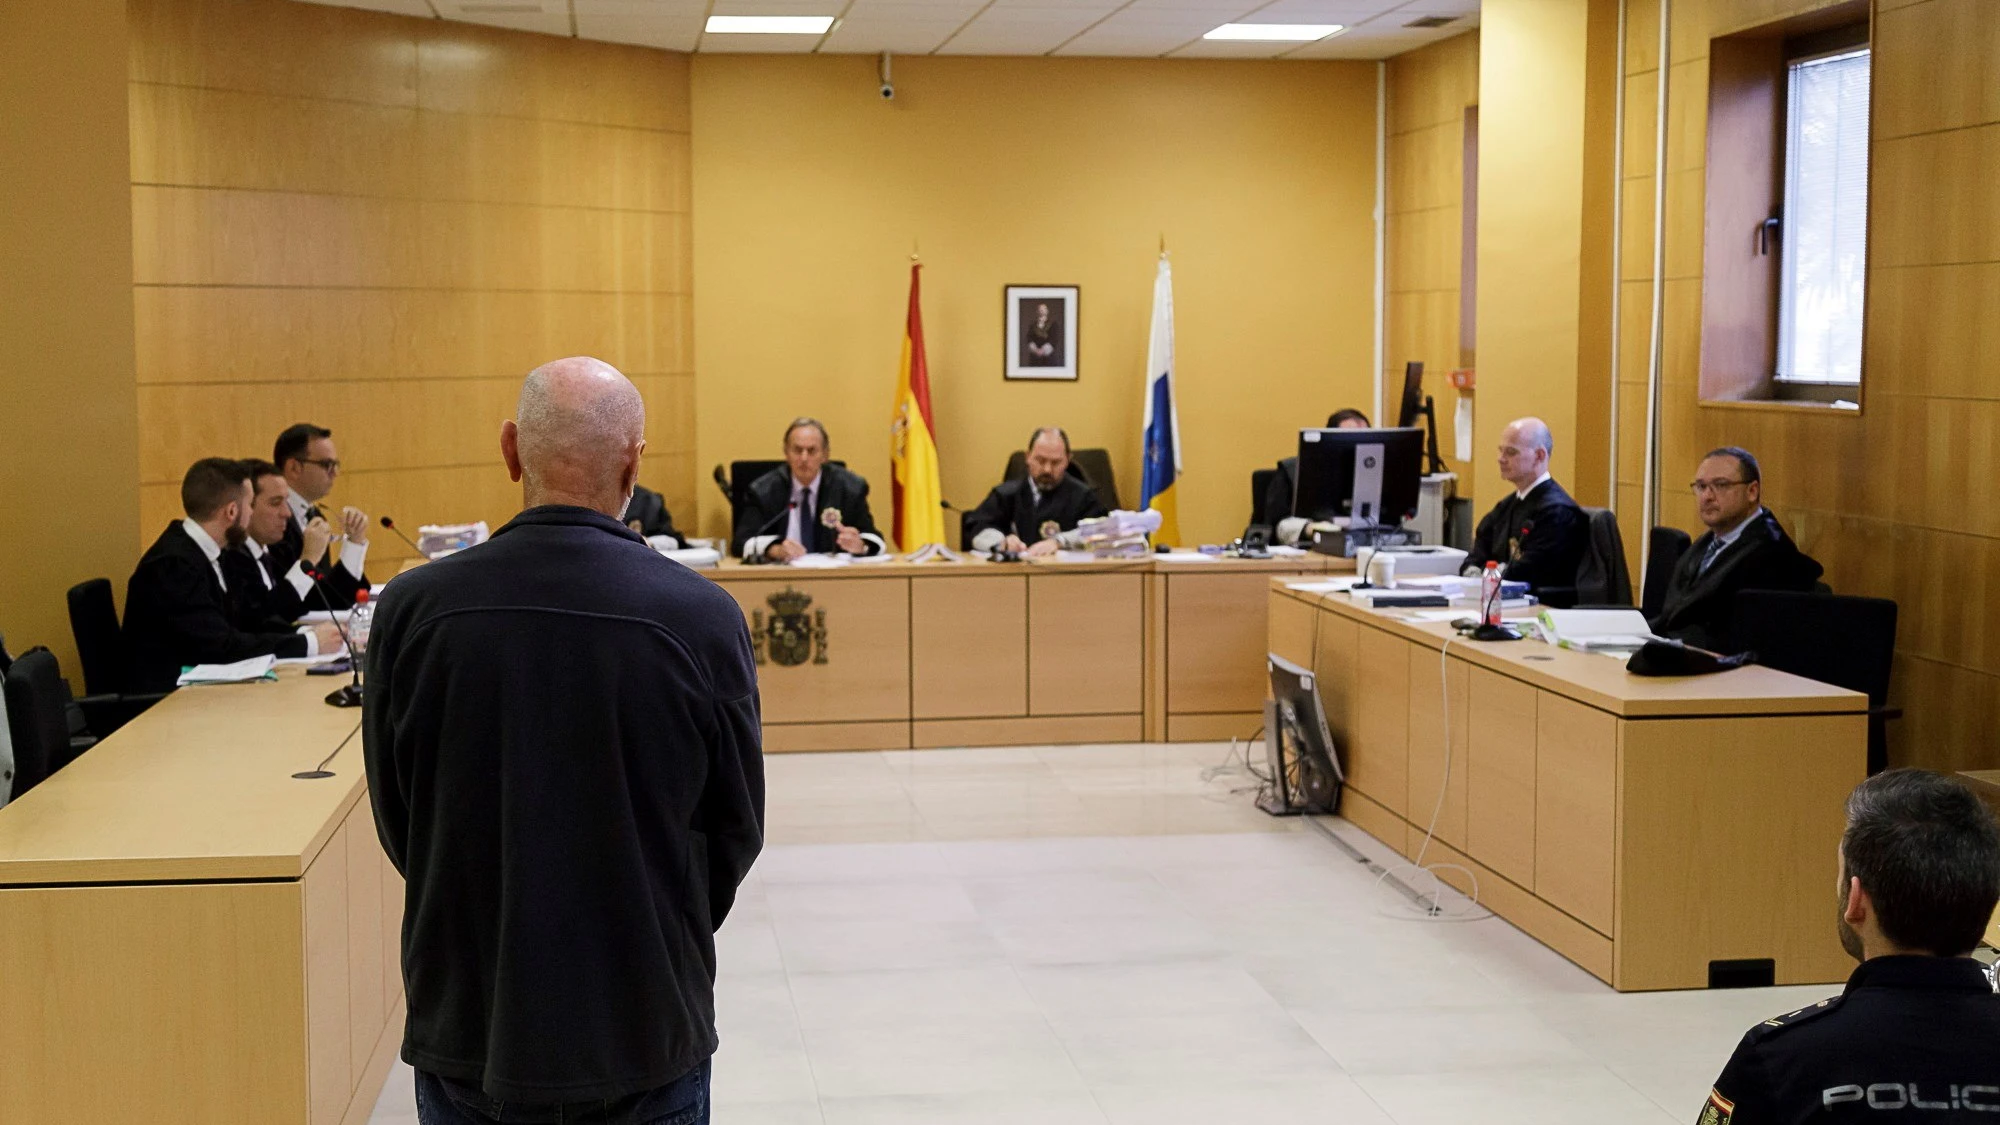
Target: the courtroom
pixel 538 585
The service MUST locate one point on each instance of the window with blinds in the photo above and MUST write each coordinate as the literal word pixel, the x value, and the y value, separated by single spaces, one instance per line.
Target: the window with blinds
pixel 1823 242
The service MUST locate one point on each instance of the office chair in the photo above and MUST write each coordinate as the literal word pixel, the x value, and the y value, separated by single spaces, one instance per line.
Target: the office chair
pixel 1260 483
pixel 1846 641
pixel 1667 545
pixel 100 645
pixel 1602 580
pixel 37 719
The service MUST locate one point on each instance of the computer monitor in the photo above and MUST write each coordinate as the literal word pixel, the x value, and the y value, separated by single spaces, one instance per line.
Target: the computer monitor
pixel 1306 775
pixel 1367 477
pixel 1417 409
pixel 1413 394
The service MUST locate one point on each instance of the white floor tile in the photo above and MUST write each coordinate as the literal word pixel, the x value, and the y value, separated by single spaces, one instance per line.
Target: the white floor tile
pixel 1111 935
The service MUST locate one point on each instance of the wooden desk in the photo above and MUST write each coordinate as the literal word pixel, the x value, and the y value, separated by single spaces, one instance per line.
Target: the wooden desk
pixel 897 655
pixel 1986 783
pixel 194 936
pixel 1640 827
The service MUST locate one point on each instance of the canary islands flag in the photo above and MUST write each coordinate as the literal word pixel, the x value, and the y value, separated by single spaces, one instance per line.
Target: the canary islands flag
pixel 1161 440
pixel 916 496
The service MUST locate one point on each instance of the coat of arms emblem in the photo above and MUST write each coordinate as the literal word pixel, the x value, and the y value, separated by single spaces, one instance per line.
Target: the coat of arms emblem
pixel 789 637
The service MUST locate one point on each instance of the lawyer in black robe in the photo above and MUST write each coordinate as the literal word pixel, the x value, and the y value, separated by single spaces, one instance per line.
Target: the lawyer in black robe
pixel 767 507
pixel 649 510
pixel 1539 539
pixel 1018 508
pixel 178 614
pixel 341 583
pixel 1700 605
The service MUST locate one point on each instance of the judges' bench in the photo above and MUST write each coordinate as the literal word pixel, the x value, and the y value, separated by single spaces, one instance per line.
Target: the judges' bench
pixel 894 655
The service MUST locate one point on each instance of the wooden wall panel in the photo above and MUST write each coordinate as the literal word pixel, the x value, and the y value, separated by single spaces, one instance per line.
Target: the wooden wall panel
pixel 1879 495
pixel 1430 90
pixel 380 224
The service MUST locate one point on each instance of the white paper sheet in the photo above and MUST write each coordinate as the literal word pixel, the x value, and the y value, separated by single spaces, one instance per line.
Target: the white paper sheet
pixel 1461 424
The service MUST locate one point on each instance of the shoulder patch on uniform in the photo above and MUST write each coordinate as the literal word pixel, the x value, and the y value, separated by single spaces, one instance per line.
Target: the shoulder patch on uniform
pixel 1793 1019
pixel 1717 1110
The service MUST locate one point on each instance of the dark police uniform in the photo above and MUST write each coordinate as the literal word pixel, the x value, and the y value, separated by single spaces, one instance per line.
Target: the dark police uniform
pixel 1913 1039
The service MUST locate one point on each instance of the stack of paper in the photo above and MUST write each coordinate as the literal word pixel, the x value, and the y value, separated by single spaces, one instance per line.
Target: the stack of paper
pixel 241 672
pixel 1596 630
pixel 694 558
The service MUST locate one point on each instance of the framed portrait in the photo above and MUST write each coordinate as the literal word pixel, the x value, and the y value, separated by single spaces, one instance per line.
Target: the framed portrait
pixel 1041 331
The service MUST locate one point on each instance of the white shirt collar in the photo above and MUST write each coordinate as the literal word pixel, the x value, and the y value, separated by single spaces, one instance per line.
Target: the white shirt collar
pixel 199 534
pixel 1727 537
pixel 811 486
pixel 1522 493
pixel 298 505
pixel 257 550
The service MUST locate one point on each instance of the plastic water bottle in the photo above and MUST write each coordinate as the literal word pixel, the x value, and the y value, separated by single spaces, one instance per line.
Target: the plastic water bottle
pixel 1489 594
pixel 358 621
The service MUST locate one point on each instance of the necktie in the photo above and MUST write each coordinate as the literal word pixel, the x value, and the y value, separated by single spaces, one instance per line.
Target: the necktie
pixel 1715 547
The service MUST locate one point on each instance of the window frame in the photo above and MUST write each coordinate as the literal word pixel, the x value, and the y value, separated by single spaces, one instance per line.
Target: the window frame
pixel 1847 43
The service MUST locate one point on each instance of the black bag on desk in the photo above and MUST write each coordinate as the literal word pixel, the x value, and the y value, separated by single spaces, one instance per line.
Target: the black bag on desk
pixel 1672 658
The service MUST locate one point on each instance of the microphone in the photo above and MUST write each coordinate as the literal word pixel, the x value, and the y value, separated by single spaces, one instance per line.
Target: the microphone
pixel 391 525
pixel 770 525
pixel 347 695
pixel 722 482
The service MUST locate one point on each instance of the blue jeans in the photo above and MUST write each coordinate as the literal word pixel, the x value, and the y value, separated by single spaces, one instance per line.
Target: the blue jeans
pixel 684 1101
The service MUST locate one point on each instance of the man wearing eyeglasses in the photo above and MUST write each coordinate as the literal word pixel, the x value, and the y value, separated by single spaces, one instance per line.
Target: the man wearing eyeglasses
pixel 1743 549
pixel 304 453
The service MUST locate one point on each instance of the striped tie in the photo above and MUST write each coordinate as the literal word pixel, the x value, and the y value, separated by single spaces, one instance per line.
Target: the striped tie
pixel 1714 548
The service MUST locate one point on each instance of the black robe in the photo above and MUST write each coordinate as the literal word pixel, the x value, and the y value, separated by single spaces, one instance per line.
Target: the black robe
pixel 564 761
pixel 1011 509
pixel 253 603
pixel 649 508
pixel 1700 606
pixel 341 584
pixel 767 506
pixel 177 614
pixel 1539 540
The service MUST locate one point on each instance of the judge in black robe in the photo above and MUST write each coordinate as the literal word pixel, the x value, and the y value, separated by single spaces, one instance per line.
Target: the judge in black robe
pixel 1025 515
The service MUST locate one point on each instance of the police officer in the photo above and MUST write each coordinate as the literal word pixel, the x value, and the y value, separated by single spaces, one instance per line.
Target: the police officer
pixel 1916 1035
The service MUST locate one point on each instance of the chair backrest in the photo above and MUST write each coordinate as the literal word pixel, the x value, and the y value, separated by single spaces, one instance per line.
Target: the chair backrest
pixel 1091 466
pixel 93 619
pixel 1836 639
pixel 744 473
pixel 37 717
pixel 1260 483
pixel 1602 577
pixel 1665 548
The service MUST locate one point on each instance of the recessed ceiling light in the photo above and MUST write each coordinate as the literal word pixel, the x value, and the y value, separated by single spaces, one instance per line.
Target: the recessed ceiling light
pixel 769 25
pixel 1276 32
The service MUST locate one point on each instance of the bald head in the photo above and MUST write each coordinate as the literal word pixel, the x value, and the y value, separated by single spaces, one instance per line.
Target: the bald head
pixel 576 436
pixel 1525 446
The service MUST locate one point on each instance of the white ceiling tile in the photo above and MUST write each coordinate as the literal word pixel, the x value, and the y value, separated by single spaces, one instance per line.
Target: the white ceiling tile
pixel 1357 45
pixel 640 9
pixel 913 12
pixel 861 37
pixel 1231 49
pixel 778 8
pixel 758 44
pixel 542 20
pixel 393 7
pixel 669 33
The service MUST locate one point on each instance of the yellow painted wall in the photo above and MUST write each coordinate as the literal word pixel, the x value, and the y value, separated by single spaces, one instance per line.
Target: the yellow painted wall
pixel 1534 220
pixel 68 436
pixel 809 192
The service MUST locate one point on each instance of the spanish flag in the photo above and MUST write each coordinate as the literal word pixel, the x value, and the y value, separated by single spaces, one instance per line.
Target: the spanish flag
pixel 916 496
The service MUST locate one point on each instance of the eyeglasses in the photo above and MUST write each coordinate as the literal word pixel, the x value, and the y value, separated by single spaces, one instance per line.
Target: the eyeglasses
pixel 331 464
pixel 1705 487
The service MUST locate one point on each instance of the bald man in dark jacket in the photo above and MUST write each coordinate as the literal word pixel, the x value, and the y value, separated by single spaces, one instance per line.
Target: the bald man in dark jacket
pixel 564 754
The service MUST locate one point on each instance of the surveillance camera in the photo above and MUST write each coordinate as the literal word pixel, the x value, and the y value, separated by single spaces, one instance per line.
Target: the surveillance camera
pixel 888 87
pixel 888 91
